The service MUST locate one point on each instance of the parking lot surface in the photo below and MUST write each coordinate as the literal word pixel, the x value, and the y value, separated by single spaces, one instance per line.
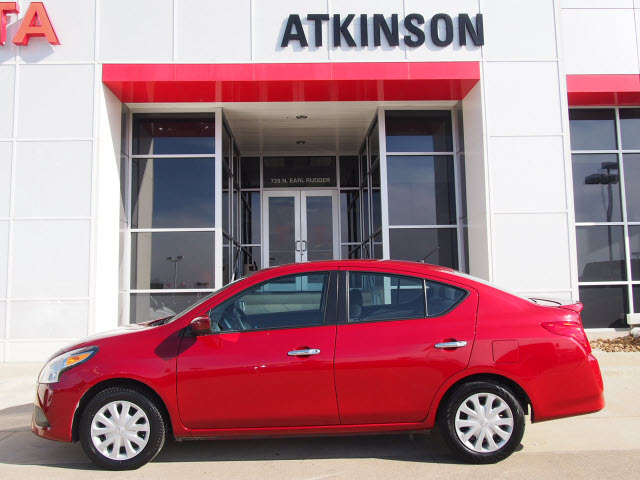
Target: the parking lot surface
pixel 601 445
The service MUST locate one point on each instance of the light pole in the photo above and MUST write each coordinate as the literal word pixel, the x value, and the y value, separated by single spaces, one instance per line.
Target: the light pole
pixel 175 261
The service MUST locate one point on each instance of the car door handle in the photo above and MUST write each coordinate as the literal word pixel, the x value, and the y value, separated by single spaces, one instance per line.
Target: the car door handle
pixel 304 353
pixel 451 344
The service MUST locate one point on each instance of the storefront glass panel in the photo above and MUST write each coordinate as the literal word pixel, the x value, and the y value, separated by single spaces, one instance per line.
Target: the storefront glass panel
pixel 596 187
pixel 438 246
pixel 593 129
pixel 173 192
pixel 419 131
pixel 161 134
pixel 604 306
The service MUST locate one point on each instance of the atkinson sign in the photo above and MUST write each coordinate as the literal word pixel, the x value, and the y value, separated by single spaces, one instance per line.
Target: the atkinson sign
pixel 439 28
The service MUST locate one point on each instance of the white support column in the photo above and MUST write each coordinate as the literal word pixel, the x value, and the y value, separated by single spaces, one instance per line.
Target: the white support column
pixel 384 188
pixel 218 199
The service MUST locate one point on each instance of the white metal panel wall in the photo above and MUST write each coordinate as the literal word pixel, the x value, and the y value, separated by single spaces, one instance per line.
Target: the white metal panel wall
pixel 46 174
pixel 526 134
pixel 600 36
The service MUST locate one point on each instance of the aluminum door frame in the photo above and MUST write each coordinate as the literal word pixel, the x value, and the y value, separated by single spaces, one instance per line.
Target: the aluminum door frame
pixel 265 222
pixel 334 219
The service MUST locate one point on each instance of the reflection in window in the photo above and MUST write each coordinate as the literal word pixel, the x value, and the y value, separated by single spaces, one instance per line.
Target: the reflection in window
pixel 600 253
pixel 441 297
pixel 634 250
pixel 146 307
pixel 438 246
pixel 632 182
pixel 173 193
pixel 162 260
pixel 375 297
pixel 250 217
pixel 421 190
pixel 160 134
pixel 604 306
pixel 596 187
pixel 293 301
pixel 592 129
pixel 419 131
pixel 630 128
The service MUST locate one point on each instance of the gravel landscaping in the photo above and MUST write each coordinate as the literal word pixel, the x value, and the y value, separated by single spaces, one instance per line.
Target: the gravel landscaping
pixel 621 344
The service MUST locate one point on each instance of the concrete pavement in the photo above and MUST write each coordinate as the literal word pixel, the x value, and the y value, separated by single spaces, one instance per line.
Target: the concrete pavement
pixel 604 444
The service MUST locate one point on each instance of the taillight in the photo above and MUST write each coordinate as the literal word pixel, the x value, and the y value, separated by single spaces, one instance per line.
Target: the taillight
pixel 570 329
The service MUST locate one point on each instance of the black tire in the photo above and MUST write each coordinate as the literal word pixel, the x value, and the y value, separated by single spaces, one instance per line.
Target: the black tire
pixel 154 422
pixel 477 448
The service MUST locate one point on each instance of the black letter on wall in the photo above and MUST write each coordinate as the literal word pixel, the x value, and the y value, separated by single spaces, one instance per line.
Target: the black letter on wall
pixel 317 19
pixel 342 29
pixel 294 20
pixel 380 23
pixel 465 25
pixel 364 31
pixel 414 30
pixel 448 30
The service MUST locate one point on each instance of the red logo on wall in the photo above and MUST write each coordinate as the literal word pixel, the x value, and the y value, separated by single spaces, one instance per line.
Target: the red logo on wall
pixel 35 23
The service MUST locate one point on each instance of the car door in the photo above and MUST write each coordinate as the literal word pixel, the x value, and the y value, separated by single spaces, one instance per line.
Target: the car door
pixel 388 363
pixel 268 361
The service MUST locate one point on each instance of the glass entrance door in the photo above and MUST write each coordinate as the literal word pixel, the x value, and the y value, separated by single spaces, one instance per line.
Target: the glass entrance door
pixel 300 226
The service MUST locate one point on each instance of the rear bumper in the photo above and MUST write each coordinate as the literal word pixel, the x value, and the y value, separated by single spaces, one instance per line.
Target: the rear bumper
pixel 559 396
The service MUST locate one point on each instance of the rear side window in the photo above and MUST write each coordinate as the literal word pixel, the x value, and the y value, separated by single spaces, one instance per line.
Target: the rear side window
pixel 441 298
pixel 376 296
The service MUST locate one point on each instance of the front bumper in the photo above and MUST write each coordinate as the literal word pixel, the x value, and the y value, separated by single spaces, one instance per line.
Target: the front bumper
pixel 54 409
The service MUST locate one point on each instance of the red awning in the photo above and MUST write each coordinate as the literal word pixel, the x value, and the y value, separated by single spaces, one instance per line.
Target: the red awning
pixel 603 89
pixel 291 82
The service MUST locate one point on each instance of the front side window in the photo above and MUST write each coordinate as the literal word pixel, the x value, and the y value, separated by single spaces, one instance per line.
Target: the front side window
pixel 285 302
pixel 375 296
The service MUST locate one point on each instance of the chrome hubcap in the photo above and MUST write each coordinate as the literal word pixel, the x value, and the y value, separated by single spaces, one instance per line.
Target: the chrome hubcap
pixel 484 422
pixel 120 430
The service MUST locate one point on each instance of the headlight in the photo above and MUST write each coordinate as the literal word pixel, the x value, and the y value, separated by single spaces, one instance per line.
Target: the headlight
pixel 52 370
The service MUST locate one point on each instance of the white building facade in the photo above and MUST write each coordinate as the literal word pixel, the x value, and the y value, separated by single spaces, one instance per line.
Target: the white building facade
pixel 154 150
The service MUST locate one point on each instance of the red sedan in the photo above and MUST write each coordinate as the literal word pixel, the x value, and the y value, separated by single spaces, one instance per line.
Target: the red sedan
pixel 326 348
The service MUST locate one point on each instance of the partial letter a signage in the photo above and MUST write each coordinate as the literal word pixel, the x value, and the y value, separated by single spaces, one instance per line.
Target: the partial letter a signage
pixel 36 23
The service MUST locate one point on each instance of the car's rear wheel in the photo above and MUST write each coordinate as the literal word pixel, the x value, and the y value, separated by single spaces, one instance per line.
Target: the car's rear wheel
pixel 122 429
pixel 482 422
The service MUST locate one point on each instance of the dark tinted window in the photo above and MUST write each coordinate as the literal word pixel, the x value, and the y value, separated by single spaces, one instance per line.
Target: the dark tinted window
pixel 592 129
pixel 286 302
pixel 376 296
pixel 159 134
pixel 172 260
pixel 601 253
pixel 632 184
pixel 438 246
pixel 630 128
pixel 604 306
pixel 596 187
pixel 421 190
pixel 441 297
pixel 419 131
pixel 173 193
pixel 349 172
pixel 250 172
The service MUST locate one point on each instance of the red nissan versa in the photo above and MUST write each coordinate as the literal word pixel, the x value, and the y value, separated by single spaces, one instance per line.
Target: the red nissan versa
pixel 325 348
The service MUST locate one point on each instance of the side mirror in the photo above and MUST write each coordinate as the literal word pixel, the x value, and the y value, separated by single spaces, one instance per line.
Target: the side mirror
pixel 200 326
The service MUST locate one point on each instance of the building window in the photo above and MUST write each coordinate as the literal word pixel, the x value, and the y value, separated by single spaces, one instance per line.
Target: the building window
pixel 606 176
pixel 171 214
pixel 421 178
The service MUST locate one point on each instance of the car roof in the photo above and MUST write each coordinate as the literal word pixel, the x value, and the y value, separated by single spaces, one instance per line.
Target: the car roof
pixel 385 264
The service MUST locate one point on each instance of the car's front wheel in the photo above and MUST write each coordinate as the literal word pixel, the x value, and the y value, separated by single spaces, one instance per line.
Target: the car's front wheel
pixel 121 429
pixel 482 422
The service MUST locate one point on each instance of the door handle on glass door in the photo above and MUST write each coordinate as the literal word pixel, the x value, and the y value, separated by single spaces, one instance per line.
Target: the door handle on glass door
pixel 304 353
pixel 453 344
pixel 304 245
pixel 297 247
